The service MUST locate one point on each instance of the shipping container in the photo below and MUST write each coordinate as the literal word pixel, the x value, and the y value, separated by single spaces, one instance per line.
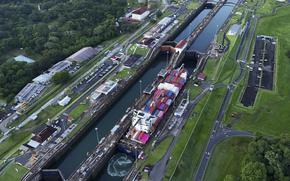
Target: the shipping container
pixel 146 109
pixel 160 114
pixel 168 102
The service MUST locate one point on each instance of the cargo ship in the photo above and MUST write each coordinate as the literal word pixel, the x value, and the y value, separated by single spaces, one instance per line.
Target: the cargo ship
pixel 145 120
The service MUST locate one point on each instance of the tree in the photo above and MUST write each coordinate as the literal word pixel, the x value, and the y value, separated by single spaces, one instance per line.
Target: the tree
pixel 229 178
pixel 288 53
pixel 61 77
pixel 158 13
pixel 254 171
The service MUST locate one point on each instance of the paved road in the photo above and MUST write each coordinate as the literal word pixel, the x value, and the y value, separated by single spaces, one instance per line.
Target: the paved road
pixel 219 133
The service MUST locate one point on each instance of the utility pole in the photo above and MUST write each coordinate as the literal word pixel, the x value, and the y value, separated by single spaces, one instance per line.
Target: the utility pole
pixel 96 129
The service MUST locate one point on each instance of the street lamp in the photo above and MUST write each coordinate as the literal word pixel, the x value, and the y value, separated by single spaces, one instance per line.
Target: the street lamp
pixel 136 156
pixel 167 57
pixel 96 129
pixel 140 87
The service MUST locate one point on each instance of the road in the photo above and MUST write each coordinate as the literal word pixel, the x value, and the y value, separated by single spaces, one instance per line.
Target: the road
pixel 218 132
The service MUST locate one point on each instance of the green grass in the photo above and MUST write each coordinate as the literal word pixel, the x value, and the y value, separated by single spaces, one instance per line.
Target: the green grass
pixel 193 5
pixel 126 72
pixel 267 7
pixel 270 115
pixel 211 68
pixel 158 152
pixel 44 116
pixel 137 50
pixel 11 144
pixel 13 172
pixel 227 159
pixel 76 113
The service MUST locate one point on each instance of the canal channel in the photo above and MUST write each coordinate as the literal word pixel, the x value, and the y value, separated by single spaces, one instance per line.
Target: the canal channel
pixel 69 162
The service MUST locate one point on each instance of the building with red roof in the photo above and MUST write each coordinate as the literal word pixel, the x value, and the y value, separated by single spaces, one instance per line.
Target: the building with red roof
pixel 140 14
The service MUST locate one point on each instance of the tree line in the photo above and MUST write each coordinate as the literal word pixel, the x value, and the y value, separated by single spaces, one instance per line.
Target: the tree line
pixel 52 30
pixel 267 159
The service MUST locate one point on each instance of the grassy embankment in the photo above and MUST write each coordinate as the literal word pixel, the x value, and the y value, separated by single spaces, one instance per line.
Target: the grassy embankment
pixel 227 159
pixel 270 114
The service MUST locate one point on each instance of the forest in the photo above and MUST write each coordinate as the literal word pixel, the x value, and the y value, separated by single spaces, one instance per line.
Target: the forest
pixel 267 159
pixel 49 31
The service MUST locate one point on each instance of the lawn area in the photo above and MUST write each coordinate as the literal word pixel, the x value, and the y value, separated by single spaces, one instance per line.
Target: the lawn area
pixel 210 69
pixel 267 7
pixel 193 5
pixel 123 74
pixel 11 144
pixel 44 116
pixel 137 50
pixel 13 172
pixel 158 152
pixel 76 113
pixel 270 116
pixel 227 159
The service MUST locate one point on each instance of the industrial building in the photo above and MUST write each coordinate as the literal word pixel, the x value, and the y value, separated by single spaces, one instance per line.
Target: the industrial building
pixel 95 96
pixel 84 54
pixel 43 78
pixel 161 25
pixel 60 66
pixel 140 14
pixel 64 101
pixel 41 135
pixel 29 92
pixel 107 87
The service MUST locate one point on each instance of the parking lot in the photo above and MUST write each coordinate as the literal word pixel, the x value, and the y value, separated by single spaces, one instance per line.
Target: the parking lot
pixel 93 77
pixel 261 72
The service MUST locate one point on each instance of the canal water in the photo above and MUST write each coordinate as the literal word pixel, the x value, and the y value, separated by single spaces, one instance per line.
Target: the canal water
pixel 192 25
pixel 203 41
pixel 120 163
pixel 71 160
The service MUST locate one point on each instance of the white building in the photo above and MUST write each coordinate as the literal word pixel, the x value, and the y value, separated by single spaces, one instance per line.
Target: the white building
pixel 64 101
pixel 60 66
pixel 29 92
pixel 43 78
pixel 106 87
pixel 140 14
pixel 82 55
